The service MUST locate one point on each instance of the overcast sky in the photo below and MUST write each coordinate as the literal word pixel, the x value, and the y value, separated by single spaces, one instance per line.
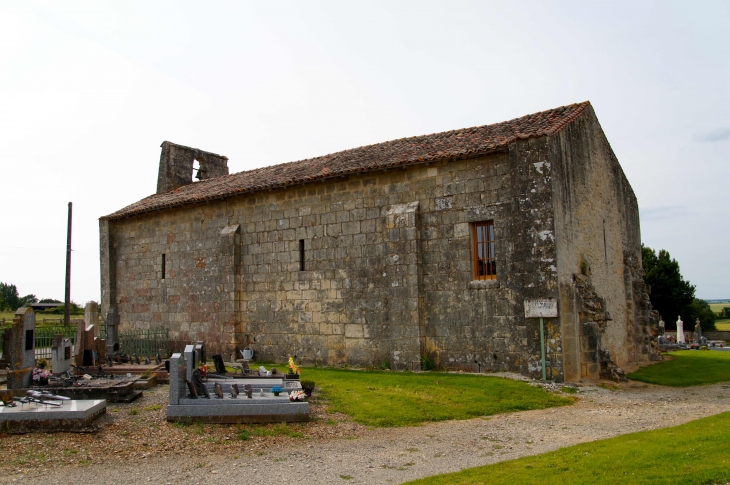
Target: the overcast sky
pixel 89 91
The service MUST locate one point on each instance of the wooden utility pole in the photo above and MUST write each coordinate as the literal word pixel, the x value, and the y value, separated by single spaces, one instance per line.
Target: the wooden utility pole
pixel 67 312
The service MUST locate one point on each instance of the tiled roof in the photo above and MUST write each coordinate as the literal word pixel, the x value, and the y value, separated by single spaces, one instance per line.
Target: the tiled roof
pixel 462 143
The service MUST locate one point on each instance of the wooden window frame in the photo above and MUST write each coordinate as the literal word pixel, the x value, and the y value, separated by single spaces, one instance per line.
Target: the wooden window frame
pixel 483 268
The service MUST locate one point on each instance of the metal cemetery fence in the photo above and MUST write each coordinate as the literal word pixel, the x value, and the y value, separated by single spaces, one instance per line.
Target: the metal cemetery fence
pixel 44 339
pixel 3 326
pixel 141 342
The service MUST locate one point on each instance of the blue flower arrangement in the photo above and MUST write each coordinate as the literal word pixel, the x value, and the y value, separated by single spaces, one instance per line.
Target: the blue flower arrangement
pixel 276 390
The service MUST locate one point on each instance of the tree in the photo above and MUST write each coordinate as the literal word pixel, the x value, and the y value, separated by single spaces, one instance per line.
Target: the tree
pixel 50 300
pixel 670 295
pixel 702 310
pixel 9 298
pixel 725 312
pixel 28 300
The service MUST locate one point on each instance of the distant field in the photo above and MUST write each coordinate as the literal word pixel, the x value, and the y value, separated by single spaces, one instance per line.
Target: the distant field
pixel 716 307
pixel 8 316
pixel 723 324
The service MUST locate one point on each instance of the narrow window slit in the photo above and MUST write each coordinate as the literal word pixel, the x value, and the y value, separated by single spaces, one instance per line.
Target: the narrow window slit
pixel 163 266
pixel 301 255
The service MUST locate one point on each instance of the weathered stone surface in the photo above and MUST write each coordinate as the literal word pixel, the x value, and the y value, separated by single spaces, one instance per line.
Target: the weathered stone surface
pixel 387 270
pixel 176 166
pixel 85 344
pixel 21 350
pixel 61 354
pixel 112 331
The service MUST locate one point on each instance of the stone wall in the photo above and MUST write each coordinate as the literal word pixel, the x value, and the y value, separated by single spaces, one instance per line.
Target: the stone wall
pixel 177 162
pixel 597 228
pixel 387 271
pixel 717 335
pixel 387 274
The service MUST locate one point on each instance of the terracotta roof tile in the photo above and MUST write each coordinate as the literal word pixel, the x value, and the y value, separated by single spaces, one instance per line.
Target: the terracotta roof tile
pixel 404 151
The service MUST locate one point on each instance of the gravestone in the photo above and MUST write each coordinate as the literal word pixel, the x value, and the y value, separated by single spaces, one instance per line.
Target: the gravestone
pixel 200 352
pixel 112 331
pixel 698 332
pixel 190 364
pixel 177 378
pixel 84 351
pixel 21 351
pixel 61 354
pixel 91 313
pixel 220 367
pixel 680 331
pixel 198 383
pixel 100 349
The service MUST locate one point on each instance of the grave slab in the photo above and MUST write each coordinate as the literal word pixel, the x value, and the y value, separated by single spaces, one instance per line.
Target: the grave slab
pixel 69 416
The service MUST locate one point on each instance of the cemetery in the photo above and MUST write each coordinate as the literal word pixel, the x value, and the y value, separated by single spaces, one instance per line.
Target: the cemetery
pixel 222 406
pixel 229 399
pixel 84 377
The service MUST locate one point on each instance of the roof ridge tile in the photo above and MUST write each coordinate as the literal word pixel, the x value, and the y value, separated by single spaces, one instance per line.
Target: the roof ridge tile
pixel 397 152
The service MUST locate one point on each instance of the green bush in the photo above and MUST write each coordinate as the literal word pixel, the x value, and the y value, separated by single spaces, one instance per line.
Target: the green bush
pixel 307 385
pixel 427 363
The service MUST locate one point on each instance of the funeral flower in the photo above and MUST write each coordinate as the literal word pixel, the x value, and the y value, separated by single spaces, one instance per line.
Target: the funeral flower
pixel 39 374
pixel 293 367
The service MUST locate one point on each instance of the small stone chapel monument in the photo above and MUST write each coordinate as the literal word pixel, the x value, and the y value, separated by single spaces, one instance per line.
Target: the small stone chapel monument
pixel 21 351
pixel 61 357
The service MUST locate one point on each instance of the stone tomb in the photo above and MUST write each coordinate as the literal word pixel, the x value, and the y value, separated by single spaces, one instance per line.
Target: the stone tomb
pixel 257 409
pixel 21 349
pixel 68 416
pixel 85 344
pixel 61 354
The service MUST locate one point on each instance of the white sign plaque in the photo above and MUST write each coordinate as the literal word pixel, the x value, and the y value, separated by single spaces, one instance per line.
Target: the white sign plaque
pixel 541 308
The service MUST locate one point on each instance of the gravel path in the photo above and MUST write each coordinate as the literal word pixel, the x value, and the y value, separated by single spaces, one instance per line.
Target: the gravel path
pixel 395 455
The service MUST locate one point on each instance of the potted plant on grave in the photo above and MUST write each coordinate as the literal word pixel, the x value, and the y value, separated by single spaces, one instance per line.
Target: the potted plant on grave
pixel 40 376
pixel 307 387
pixel 297 396
pixel 276 390
pixel 294 370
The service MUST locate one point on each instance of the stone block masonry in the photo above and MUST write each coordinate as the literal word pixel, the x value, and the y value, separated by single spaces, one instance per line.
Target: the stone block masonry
pixel 380 265
pixel 387 269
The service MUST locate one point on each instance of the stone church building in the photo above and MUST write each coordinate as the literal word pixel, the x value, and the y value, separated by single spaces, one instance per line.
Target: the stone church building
pixel 418 247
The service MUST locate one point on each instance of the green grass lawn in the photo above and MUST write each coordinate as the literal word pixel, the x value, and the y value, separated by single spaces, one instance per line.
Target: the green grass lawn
pixel 687 368
pixel 723 325
pixel 694 453
pixel 382 398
